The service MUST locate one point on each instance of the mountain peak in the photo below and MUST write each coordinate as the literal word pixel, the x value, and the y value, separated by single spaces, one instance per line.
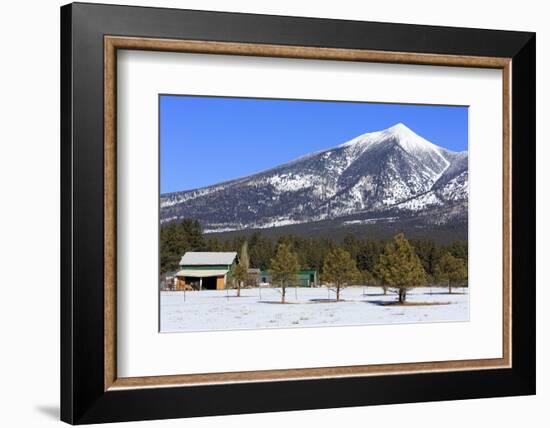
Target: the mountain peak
pixel 399 133
pixel 398 127
pixel 402 131
pixel 409 140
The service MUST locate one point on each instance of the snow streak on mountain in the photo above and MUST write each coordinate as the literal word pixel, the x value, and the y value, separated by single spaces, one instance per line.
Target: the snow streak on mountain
pixel 383 176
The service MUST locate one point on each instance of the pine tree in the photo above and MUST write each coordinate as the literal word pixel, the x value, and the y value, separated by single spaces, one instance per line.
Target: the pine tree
pixel 240 273
pixel 173 244
pixel 399 267
pixel 451 269
pixel 378 274
pixel 340 269
pixel 244 260
pixel 284 267
pixel 192 231
pixel 352 245
pixel 427 253
pixel 261 251
pixel 176 238
pixel 458 249
pixel 368 254
pixel 213 244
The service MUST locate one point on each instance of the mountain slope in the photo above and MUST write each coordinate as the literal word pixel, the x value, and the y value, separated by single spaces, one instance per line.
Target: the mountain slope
pixel 393 171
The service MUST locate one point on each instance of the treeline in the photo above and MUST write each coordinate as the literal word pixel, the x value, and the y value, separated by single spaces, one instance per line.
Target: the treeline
pixel 178 237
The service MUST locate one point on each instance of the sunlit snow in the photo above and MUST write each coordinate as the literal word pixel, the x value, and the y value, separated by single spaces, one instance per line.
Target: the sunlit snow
pixel 306 307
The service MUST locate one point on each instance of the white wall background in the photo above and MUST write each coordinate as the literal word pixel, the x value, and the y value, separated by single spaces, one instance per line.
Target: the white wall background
pixel 29 214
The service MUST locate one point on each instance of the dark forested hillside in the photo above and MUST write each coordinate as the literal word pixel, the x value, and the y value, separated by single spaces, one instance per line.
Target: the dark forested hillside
pixel 186 235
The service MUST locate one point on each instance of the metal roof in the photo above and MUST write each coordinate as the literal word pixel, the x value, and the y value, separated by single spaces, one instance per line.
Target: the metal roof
pixel 201 273
pixel 205 258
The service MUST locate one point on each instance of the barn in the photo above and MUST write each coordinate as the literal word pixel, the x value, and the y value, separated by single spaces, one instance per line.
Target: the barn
pixel 200 270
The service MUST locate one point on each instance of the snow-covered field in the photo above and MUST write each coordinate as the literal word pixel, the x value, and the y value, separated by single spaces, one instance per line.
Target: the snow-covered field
pixel 305 307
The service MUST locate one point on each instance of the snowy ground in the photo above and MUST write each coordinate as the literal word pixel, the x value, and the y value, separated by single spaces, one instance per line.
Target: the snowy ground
pixel 222 310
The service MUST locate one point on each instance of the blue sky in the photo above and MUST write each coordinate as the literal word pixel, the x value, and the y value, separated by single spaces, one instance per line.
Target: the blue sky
pixel 206 140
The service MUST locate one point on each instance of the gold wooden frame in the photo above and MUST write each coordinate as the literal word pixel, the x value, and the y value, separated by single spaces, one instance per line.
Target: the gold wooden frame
pixel 113 43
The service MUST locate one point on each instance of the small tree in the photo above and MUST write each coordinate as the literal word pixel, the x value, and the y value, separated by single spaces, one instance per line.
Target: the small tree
pixel 240 273
pixel 451 269
pixel 284 267
pixel 399 267
pixel 244 259
pixel 340 269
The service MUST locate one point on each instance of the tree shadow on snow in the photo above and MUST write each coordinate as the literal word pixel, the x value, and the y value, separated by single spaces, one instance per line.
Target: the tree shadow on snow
pixel 232 296
pixel 374 294
pixel 396 303
pixel 442 293
pixel 278 302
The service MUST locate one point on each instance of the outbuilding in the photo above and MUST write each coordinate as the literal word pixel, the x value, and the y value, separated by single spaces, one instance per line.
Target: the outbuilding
pixel 201 270
pixel 303 278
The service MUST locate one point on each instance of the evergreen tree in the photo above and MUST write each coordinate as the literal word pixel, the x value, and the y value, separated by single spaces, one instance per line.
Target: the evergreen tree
pixel 244 260
pixel 176 238
pixel 213 244
pixel 428 253
pixel 378 274
pixel 192 231
pixel 284 267
pixel 227 246
pixel 399 267
pixel 368 254
pixel 352 245
pixel 261 251
pixel 239 275
pixel 340 269
pixel 451 269
pixel 458 249
pixel 173 244
pixel 240 272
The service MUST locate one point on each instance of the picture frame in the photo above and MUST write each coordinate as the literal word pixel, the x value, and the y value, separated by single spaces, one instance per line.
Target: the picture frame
pixel 91 35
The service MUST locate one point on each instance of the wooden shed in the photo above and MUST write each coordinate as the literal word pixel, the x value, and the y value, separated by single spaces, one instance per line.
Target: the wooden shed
pixel 201 270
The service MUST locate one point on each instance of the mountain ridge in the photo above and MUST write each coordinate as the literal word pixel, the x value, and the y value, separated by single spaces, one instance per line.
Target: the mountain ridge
pixel 394 169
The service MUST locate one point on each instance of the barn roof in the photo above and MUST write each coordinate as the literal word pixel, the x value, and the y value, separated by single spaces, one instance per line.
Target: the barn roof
pixel 205 258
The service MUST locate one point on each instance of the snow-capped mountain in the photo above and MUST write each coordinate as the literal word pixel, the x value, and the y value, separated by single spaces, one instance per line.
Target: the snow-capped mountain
pixel 386 175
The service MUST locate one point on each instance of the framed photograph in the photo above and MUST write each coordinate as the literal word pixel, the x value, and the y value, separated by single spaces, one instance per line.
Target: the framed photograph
pixel 265 213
